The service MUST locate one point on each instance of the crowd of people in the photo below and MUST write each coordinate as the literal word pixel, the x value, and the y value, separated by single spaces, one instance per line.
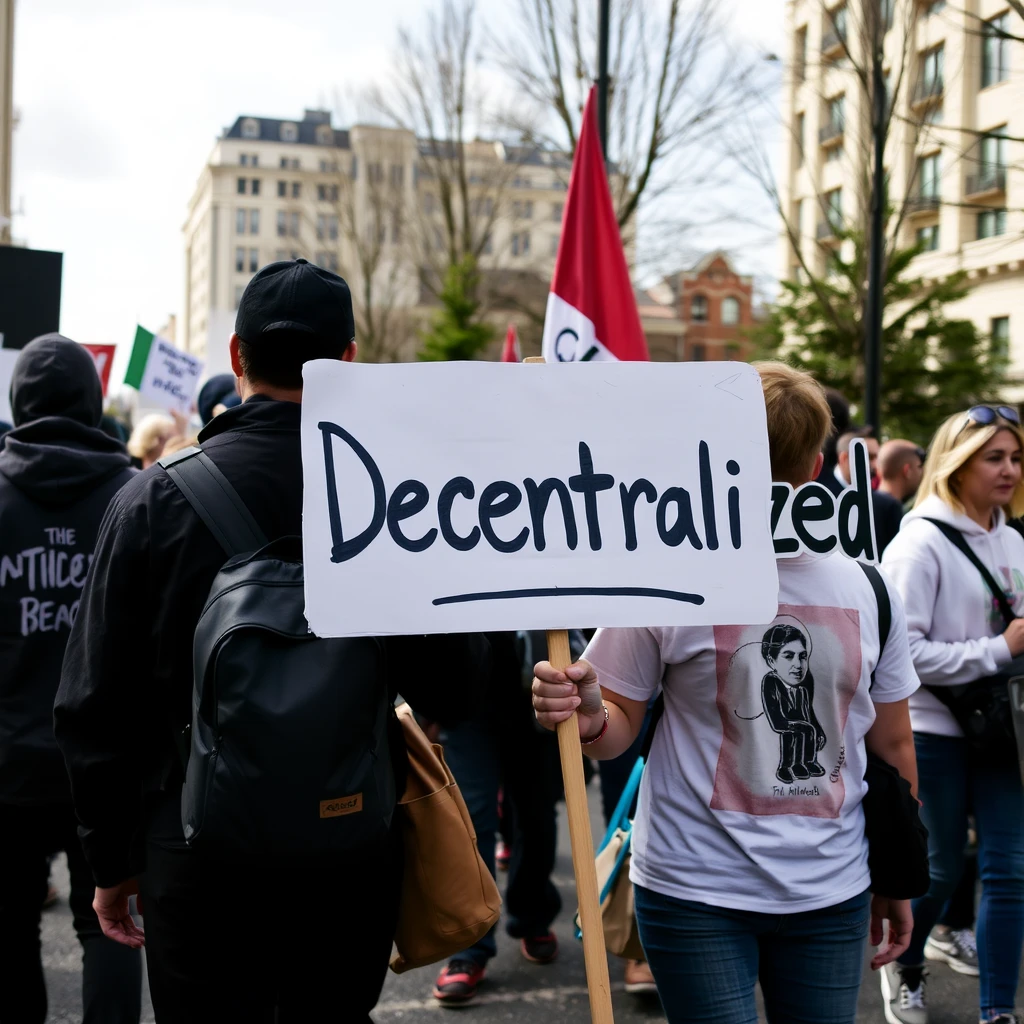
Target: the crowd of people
pixel 752 860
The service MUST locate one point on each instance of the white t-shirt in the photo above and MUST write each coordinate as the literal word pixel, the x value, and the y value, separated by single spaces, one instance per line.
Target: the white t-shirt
pixel 752 796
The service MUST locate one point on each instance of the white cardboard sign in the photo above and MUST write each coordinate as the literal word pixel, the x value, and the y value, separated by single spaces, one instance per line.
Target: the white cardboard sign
pixel 8 357
pixel 449 497
pixel 171 376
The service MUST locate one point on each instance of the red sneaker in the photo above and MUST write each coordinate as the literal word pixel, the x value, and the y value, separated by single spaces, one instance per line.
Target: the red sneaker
pixel 502 855
pixel 540 949
pixel 456 985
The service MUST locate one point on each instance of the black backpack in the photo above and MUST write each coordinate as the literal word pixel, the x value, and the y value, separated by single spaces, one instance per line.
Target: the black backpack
pixel 288 754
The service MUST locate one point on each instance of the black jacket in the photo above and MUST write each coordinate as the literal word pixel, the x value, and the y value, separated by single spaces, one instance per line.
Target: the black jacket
pixel 887 510
pixel 57 476
pixel 127 680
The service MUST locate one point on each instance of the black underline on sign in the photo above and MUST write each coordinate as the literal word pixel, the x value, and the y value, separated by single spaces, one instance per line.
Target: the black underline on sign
pixel 506 595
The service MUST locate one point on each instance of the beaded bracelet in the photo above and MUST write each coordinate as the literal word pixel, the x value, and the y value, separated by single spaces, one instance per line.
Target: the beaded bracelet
pixel 600 735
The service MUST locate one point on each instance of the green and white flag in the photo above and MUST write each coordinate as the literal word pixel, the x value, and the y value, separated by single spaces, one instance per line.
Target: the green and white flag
pixel 163 373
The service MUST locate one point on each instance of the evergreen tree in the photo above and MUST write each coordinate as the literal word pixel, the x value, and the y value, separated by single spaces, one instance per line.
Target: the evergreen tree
pixel 932 366
pixel 456 332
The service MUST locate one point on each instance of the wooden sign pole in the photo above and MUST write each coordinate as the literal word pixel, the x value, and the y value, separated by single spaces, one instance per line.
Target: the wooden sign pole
pixel 594 954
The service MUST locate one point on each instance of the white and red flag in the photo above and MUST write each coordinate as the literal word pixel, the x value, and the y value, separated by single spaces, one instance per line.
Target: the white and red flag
pixel 510 350
pixel 591 313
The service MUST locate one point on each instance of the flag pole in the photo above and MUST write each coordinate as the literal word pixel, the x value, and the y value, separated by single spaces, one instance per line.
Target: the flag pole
pixel 603 16
pixel 575 784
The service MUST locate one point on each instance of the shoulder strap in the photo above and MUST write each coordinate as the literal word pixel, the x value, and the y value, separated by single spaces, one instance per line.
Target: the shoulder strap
pixel 956 538
pixel 215 501
pixel 884 609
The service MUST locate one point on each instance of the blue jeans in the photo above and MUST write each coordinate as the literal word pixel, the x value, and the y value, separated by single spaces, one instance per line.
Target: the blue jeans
pixel 950 783
pixel 523 760
pixel 706 960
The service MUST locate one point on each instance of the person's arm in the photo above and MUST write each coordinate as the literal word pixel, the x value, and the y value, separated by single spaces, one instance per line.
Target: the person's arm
pixel 98 710
pixel 940 662
pixel 891 739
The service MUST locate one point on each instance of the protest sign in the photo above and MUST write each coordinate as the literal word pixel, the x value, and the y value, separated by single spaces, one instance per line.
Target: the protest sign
pixel 534 497
pixel 103 357
pixel 8 357
pixel 162 373
pixel 812 519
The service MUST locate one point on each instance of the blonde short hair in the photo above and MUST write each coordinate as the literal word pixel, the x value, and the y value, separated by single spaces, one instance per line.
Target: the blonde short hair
pixel 955 443
pixel 799 420
pixel 150 435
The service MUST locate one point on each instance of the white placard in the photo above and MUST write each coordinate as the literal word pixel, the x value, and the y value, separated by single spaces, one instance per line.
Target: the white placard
pixel 171 376
pixel 449 497
pixel 8 357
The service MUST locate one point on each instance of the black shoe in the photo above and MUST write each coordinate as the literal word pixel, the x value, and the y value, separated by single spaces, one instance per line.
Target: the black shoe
pixel 784 775
pixel 540 949
pixel 815 770
pixel 801 772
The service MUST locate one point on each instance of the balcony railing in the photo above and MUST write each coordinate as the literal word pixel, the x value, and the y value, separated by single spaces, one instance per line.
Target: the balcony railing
pixel 917 205
pixel 831 133
pixel 832 42
pixel 927 92
pixel 987 181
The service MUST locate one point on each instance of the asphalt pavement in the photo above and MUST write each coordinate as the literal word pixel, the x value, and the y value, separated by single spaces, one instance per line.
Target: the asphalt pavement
pixel 514 988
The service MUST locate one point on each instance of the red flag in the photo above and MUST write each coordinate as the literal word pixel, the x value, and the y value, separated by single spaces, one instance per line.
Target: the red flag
pixel 510 351
pixel 591 310
pixel 103 357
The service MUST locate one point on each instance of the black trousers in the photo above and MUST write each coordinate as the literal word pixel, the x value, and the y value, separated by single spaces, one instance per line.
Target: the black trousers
pixel 111 974
pixel 271 942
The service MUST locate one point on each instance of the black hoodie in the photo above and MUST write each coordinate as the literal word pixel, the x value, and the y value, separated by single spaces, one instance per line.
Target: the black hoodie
pixel 58 472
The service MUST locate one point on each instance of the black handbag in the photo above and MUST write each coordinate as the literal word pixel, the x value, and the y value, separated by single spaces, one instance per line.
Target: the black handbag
pixel 897 838
pixel 983 708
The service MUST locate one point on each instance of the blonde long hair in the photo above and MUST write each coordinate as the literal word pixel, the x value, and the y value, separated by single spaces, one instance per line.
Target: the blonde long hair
pixel 952 447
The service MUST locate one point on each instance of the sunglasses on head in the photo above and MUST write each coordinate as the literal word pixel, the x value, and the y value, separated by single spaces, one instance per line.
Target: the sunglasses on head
pixel 985 415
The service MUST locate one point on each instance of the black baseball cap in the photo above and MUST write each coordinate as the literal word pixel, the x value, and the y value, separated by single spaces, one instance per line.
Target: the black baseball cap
pixel 295 297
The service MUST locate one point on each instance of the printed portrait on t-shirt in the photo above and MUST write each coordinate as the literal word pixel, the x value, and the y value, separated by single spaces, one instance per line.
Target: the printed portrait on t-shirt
pixel 784 693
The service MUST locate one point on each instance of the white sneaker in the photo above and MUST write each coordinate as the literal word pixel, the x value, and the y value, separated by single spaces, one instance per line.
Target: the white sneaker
pixel 953 946
pixel 903 998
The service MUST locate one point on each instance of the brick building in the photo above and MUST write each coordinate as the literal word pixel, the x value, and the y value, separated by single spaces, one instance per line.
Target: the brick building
pixel 716 306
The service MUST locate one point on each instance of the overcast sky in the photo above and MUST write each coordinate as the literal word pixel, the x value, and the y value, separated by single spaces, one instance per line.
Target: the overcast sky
pixel 121 101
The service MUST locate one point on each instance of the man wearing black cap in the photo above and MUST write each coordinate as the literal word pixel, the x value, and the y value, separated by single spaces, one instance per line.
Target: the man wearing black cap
pixel 259 940
pixel 58 472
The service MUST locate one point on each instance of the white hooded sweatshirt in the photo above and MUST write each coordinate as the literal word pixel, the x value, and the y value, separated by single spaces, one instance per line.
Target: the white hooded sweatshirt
pixel 954 623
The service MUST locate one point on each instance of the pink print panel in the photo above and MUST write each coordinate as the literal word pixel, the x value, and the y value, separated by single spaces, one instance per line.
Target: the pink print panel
pixel 784 692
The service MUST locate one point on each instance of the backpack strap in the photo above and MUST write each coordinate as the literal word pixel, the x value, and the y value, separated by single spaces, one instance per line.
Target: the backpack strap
pixel 884 610
pixel 215 501
pixel 956 538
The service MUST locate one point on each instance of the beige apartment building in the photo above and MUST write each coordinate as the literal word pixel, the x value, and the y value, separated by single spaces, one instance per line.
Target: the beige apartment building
pixel 363 201
pixel 954 157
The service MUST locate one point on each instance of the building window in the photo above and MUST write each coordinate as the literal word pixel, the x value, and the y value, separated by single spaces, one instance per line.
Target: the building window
pixel 554 245
pixel 488 246
pixel 799 138
pixel 281 255
pixel 296 189
pixel 240 221
pixel 250 128
pixel 698 353
pixel 730 310
pixel 833 154
pixel 240 188
pixel 834 208
pixel 282 224
pixel 327 260
pixel 934 7
pixel 993 154
pixel 244 159
pixel 1001 336
pixel 282 189
pixel 928 237
pixel 521 243
pixel 375 173
pixel 699 309
pixel 254 159
pixel 240 260
pixel 239 289
pixel 355 167
pixel 327 193
pixel 522 210
pixel 991 223
pixel 837 112
pixel 324 134
pixel 254 260
pixel 255 186
pixel 995 52
pixel 254 222
pixel 932 73
pixel 557 209
pixel 800 55
pixel 284 163
pixel 928 176
pixel 886 9
pixel 289 132
pixel 396 174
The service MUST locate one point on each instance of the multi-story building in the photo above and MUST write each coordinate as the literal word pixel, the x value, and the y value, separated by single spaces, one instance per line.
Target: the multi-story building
pixel 6 115
pixel 364 201
pixel 954 159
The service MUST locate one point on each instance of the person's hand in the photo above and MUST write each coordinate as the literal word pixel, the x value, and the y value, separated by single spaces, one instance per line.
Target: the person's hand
pixel 557 694
pixel 180 423
pixel 1014 637
pixel 901 925
pixel 111 906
